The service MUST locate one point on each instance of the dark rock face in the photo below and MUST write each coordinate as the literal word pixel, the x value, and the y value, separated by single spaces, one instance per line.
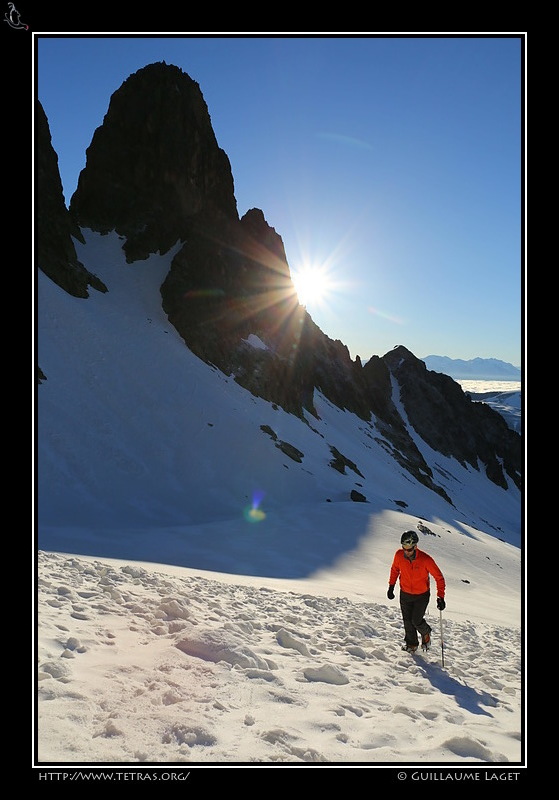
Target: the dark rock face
pixel 156 175
pixel 230 280
pixel 445 418
pixel 56 252
pixel 154 164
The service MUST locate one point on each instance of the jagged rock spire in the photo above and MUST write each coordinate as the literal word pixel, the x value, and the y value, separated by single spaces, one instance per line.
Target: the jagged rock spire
pixel 154 163
pixel 56 252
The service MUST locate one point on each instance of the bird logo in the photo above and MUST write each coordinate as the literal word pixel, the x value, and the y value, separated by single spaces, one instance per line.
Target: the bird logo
pixel 12 17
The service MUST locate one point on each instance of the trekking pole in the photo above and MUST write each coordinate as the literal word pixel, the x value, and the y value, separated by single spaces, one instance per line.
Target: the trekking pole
pixel 442 640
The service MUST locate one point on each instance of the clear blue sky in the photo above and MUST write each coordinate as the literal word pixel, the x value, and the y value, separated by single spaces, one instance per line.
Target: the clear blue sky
pixel 394 163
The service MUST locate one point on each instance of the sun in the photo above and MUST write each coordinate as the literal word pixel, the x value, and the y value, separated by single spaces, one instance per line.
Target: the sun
pixel 312 284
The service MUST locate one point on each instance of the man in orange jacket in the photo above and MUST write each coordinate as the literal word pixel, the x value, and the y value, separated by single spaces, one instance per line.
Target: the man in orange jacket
pixel 413 567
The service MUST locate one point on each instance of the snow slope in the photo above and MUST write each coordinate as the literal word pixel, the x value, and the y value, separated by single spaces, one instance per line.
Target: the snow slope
pixel 204 599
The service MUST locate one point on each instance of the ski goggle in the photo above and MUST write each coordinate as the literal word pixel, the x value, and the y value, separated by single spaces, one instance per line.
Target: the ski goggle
pixel 407 544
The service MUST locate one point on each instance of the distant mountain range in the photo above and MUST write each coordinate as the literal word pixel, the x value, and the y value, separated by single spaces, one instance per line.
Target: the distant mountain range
pixel 476 369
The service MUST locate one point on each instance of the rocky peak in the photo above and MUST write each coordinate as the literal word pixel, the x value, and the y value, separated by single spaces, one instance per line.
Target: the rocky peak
pixel 56 252
pixel 154 163
pixel 255 226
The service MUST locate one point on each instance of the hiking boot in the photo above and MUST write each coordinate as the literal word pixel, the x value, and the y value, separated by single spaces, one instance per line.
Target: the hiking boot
pixel 426 641
pixel 410 648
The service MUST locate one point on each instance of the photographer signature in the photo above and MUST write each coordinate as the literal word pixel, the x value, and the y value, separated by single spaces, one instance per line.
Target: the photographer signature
pixel 12 17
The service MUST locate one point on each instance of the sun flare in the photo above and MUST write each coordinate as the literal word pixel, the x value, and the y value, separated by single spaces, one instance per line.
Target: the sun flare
pixel 312 285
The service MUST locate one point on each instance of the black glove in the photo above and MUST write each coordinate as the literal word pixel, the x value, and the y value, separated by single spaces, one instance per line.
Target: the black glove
pixel 390 592
pixel 441 605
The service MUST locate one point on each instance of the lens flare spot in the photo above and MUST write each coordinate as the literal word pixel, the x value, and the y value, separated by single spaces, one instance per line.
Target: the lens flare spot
pixel 384 315
pixel 254 513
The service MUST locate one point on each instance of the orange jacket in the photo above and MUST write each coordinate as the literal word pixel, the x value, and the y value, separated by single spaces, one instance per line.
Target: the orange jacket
pixel 414 575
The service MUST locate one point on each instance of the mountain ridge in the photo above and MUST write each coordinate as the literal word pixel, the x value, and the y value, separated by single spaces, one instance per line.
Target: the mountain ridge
pixel 473 369
pixel 226 283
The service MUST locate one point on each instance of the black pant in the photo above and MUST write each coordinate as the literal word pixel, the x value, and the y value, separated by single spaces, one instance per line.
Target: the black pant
pixel 413 612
